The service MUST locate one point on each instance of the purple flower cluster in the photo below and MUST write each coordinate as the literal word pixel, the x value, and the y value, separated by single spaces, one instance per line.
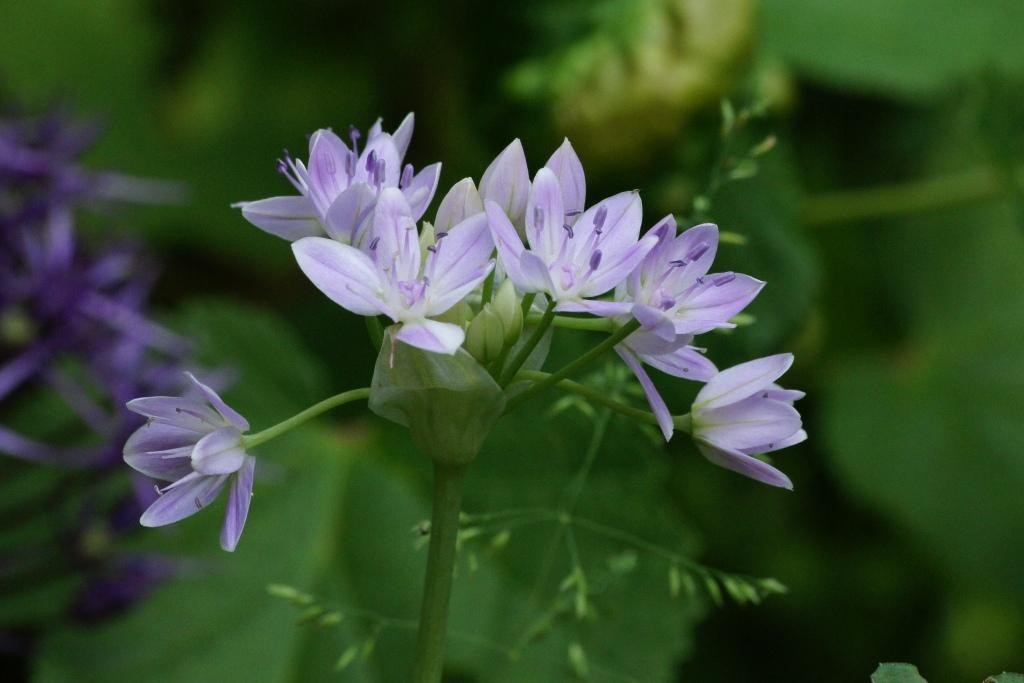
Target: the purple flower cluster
pixel 541 236
pixel 73 325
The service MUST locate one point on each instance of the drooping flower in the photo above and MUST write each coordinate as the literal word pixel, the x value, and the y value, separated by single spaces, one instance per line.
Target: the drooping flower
pixel 339 188
pixel 674 298
pixel 573 254
pixel 388 275
pixel 741 413
pixel 196 444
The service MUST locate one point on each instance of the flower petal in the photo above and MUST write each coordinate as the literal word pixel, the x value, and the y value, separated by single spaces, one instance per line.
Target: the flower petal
pixel 383 149
pixel 179 412
pixel 182 499
pixel 346 275
pixel 535 274
pixel 160 451
pixel 459 262
pixel 349 213
pixel 289 218
pixel 655 321
pixel 685 362
pixel 421 190
pixel 403 135
pixel 219 452
pixel 506 239
pixel 431 335
pixel 599 307
pixel 657 403
pixel 714 300
pixel 231 415
pixel 746 465
pixel 506 182
pixel 545 216
pixel 740 381
pixel 567 168
pixel 461 202
pixel 238 505
pixel 327 174
pixel 620 225
pixel 616 266
pixel 399 242
pixel 752 424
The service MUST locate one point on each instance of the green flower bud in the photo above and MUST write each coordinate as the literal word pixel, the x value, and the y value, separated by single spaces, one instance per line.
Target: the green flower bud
pixel 428 236
pixel 460 314
pixel 485 337
pixel 509 310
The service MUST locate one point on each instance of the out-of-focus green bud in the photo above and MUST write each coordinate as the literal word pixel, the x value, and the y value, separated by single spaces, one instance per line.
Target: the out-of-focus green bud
pixel 509 310
pixel 485 337
pixel 427 239
pixel 460 314
pixel 16 328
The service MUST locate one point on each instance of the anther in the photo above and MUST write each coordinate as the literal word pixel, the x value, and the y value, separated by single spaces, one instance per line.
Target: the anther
pixel 599 219
pixel 406 176
pixel 595 259
pixel 568 229
pixel 374 243
pixel 723 279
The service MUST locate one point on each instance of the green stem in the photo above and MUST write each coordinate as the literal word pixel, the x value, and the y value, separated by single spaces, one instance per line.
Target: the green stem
pixel 577 365
pixel 531 343
pixel 376 331
pixel 444 531
pixel 594 395
pixel 570 323
pixel 307 414
pixel 897 199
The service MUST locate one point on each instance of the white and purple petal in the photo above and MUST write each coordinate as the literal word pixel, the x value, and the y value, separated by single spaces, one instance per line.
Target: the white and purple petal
pixel 432 335
pixel 740 381
pixel 654 399
pixel 346 275
pixel 182 499
pixel 237 509
pixel 289 218
pixel 506 182
pixel 746 465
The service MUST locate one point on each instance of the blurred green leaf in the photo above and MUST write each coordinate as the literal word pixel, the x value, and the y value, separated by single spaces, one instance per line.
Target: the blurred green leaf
pixel 896 673
pixel 904 48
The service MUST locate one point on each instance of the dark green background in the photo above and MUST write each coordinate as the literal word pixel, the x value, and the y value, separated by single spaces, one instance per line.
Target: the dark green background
pixel 904 537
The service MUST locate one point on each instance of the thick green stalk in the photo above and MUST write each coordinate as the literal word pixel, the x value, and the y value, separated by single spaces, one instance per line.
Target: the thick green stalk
pixel 527 348
pixel 307 414
pixel 437 589
pixel 578 364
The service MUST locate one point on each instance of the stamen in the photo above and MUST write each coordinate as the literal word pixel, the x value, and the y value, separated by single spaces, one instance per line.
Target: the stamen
pixel 432 249
pixel 595 260
pixel 599 219
pixel 667 303
pixel 371 162
pixel 378 173
pixel 568 229
pixel 723 279
pixel 406 176
pixel 374 243
pixel 573 212
pixel 538 217
pixel 354 135
pixel 199 504
pixel 440 235
pixel 677 263
pixel 696 252
pixel 350 164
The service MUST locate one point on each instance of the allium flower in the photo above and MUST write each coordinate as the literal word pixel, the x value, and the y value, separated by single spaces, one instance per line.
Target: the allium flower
pixel 573 254
pixel 741 412
pixel 388 275
pixel 338 189
pixel 674 298
pixel 195 443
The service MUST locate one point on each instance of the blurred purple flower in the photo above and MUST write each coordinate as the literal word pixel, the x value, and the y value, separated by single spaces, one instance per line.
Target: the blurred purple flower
pixel 573 254
pixel 388 276
pixel 741 412
pixel 339 188
pixel 195 443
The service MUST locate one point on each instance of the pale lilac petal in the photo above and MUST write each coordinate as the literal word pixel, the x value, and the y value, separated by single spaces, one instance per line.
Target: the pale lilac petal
pixel 686 362
pixel 616 266
pixel 717 298
pixel 746 465
pixel 398 244
pixel 458 263
pixel 506 239
pixel 535 274
pixel 753 423
pixel 545 216
pixel 383 149
pixel 431 335
pixel 777 393
pixel 227 412
pixel 421 190
pixel 345 274
pixel 349 214
pixel 182 499
pixel 798 436
pixel 506 182
pixel 461 202
pixel 599 307
pixel 289 218
pixel 179 412
pixel 375 129
pixel 657 403
pixel 620 227
pixel 743 380
pixel 657 259
pixel 569 171
pixel 655 321
pixel 696 248
pixel 403 135
pixel 219 452
pixel 327 174
pixel 160 451
pixel 238 505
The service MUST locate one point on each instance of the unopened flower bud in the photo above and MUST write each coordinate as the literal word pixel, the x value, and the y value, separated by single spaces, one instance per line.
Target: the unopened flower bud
pixel 460 314
pixel 485 337
pixel 509 310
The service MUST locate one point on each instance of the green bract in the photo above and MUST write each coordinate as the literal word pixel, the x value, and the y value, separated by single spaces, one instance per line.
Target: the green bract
pixel 449 403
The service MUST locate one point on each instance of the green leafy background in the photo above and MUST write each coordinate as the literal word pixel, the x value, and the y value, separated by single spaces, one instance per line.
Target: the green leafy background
pixel 902 540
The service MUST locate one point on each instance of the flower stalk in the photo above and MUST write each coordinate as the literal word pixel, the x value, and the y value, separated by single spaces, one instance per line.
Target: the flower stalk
pixel 309 413
pixel 529 346
pixel 437 589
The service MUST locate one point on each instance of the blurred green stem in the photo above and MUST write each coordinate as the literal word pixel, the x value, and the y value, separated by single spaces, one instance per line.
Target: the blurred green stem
pixel 437 589
pixel 897 199
pixel 524 352
pixel 308 414
pixel 569 323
